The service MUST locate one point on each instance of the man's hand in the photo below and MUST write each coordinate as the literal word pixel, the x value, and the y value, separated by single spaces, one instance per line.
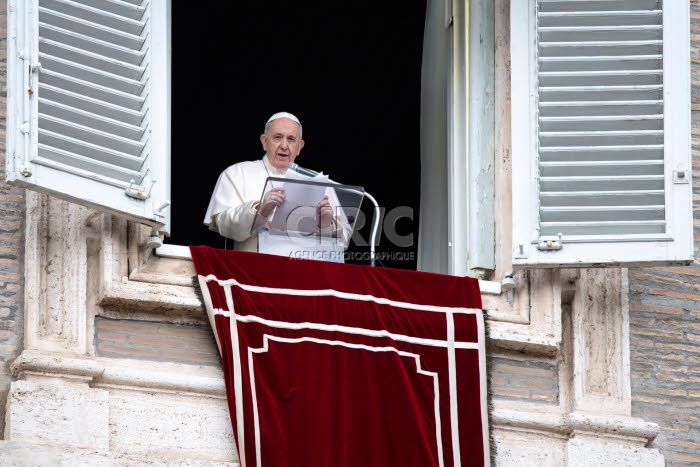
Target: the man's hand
pixel 272 200
pixel 324 211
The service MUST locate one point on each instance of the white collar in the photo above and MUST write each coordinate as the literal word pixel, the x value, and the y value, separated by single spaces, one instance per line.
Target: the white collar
pixel 272 170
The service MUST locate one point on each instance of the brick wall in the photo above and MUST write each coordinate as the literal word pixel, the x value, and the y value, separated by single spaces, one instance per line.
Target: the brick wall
pixel 665 325
pixel 11 240
pixel 146 340
pixel 519 377
pixel 665 357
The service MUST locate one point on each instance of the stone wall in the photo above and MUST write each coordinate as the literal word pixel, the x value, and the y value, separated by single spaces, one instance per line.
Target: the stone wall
pixel 11 241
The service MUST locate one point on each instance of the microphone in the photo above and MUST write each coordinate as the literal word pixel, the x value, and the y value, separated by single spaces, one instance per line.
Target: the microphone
pixel 301 170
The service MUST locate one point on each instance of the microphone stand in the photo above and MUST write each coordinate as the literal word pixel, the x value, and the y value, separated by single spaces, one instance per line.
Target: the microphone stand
pixel 375 229
pixel 375 216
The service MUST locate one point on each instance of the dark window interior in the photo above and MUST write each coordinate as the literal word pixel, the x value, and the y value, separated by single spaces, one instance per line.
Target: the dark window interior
pixel 349 70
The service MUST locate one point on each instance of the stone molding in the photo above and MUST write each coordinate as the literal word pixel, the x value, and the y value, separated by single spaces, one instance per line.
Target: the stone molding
pixel 34 362
pixel 122 373
pixel 634 429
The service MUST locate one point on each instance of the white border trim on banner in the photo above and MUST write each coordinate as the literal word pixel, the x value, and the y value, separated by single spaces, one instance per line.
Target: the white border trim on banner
pixel 416 357
pixel 449 343
pixel 337 294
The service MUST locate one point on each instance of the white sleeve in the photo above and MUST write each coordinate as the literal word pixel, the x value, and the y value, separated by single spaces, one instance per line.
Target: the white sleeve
pixel 237 221
pixel 228 212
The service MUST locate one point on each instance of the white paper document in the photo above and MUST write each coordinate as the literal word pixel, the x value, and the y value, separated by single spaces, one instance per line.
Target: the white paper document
pixel 298 212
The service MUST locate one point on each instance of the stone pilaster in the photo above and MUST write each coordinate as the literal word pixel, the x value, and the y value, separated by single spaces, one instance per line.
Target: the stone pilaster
pixel 603 429
pixel 52 400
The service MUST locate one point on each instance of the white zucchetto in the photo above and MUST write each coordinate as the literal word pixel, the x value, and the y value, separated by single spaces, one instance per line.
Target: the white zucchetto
pixel 284 115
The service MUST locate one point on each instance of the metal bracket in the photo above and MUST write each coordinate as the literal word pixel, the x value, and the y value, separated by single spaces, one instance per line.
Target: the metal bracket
pixel 33 68
pixel 165 204
pixel 138 191
pixel 449 15
pixel 680 177
pixel 24 129
pixel 551 244
pixel 154 241
pixel 520 253
pixel 508 284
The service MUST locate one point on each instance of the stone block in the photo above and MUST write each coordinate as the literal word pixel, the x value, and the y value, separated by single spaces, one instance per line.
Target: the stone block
pixel 177 425
pixel 68 414
pixel 520 449
pixel 597 452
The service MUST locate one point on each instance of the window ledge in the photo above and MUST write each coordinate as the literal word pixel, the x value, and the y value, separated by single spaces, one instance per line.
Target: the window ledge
pixel 174 251
pixel 511 326
pixel 183 252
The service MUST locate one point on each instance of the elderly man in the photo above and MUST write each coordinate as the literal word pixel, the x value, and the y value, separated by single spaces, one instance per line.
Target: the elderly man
pixel 236 198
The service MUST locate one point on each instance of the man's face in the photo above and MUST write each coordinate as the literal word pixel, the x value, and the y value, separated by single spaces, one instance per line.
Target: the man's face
pixel 282 143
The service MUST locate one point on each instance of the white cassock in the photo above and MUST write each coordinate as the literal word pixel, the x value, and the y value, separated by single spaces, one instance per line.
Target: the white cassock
pixel 234 203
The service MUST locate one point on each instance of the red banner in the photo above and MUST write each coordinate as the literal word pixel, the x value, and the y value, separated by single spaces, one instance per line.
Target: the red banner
pixel 336 365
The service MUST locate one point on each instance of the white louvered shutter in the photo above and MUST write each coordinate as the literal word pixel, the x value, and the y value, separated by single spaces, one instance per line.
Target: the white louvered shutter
pixel 601 132
pixel 88 103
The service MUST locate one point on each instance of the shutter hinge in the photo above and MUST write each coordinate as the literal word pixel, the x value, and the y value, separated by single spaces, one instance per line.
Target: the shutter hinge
pixel 138 191
pixel 550 244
